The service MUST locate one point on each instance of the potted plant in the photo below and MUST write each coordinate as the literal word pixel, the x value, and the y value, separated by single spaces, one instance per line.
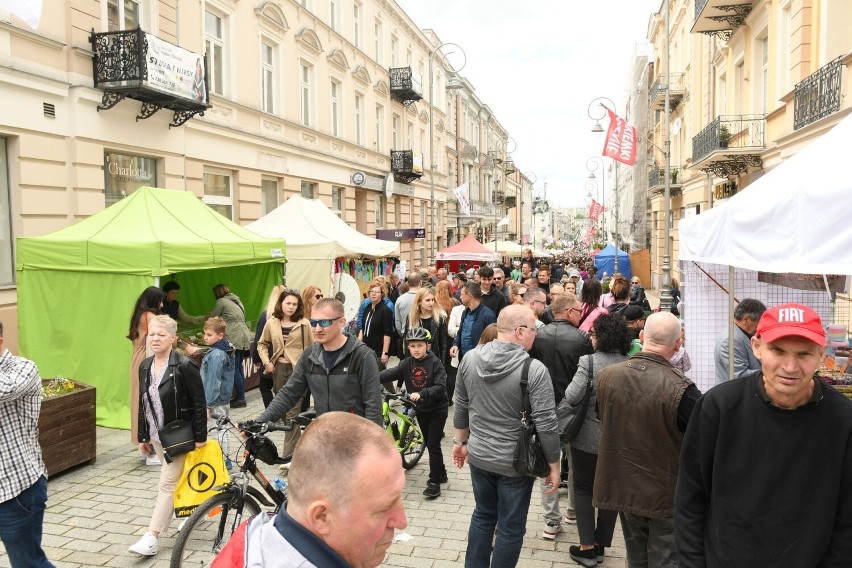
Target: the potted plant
pixel 66 424
pixel 724 136
pixel 674 176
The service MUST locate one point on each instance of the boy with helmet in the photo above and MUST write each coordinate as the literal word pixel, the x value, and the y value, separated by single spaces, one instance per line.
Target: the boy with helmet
pixel 426 382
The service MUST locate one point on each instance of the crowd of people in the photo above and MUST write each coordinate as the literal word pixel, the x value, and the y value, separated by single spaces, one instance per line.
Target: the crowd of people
pixel 474 348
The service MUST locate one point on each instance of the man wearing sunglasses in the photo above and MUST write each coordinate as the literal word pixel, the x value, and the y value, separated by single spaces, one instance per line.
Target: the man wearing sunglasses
pixel 341 372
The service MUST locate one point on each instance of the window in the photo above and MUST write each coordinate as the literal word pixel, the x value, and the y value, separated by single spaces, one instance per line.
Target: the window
pixel 124 174
pixel 359 119
pixel 217 192
pixel 394 52
pixel 309 190
pixel 739 89
pixel 7 263
pixel 268 195
pixel 440 218
pixel 395 135
pixel 380 211
pixel 356 25
pixel 214 49
pixel 332 14
pixel 423 143
pixel 378 33
pixel 410 137
pixel 764 74
pixel 337 194
pixel 123 15
pixel 305 80
pixel 336 109
pixel 408 57
pixel 267 77
pixel 380 118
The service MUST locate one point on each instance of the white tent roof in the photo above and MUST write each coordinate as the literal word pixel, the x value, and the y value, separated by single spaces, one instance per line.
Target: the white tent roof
pixel 507 248
pixel 309 223
pixel 793 219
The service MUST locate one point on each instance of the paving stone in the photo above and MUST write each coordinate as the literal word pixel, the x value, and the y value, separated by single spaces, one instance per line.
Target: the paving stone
pixel 88 558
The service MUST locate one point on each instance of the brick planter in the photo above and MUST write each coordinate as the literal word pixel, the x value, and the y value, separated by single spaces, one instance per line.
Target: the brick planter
pixel 66 429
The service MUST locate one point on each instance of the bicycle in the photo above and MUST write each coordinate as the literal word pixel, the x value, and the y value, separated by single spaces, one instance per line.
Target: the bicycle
pixel 207 530
pixel 403 427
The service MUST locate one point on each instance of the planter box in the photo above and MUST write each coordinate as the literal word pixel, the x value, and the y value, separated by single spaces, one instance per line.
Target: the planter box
pixel 66 429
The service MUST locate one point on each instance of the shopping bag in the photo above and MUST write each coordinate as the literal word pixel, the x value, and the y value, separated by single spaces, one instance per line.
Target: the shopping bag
pixel 203 470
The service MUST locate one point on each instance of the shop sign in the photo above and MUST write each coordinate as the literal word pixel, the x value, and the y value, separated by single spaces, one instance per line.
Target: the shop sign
pixel 724 190
pixel 175 70
pixel 399 234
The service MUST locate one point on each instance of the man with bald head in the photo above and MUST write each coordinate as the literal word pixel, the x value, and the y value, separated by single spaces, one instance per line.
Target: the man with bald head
pixel 330 520
pixel 644 405
pixel 487 425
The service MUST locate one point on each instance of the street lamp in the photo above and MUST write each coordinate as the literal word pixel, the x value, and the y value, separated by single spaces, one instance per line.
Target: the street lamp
pixel 532 178
pixel 452 84
pixel 540 207
pixel 592 166
pixel 507 166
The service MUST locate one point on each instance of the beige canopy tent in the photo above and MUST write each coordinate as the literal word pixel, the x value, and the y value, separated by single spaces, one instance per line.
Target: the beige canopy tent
pixel 315 237
pixel 506 248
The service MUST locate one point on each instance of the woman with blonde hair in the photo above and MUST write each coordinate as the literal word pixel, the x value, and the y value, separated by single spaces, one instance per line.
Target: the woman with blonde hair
pixel 285 337
pixel 265 385
pixel 427 314
pixel 310 296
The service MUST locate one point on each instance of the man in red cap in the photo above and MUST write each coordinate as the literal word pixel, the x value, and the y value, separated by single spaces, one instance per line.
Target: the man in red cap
pixel 766 461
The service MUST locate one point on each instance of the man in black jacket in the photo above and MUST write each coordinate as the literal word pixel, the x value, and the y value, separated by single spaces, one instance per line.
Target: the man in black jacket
pixel 492 297
pixel 559 345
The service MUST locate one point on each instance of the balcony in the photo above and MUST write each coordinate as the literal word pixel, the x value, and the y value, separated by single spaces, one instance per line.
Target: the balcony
pixel 406 85
pixel 720 17
pixel 511 202
pixel 677 89
pixel 657 181
pixel 818 95
pixel 406 167
pixel 729 145
pixel 498 196
pixel 137 65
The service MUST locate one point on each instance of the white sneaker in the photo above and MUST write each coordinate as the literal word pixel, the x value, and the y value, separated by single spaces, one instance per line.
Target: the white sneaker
pixel 153 460
pixel 145 546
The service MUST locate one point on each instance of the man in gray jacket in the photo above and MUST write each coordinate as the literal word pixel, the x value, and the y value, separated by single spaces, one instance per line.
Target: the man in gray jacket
pixel 342 372
pixel 746 315
pixel 487 426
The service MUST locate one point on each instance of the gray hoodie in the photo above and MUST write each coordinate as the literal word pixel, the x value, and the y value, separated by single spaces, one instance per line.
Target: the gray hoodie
pixel 488 401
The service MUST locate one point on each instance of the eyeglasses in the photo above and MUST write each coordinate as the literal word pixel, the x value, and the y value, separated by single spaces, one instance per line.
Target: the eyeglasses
pixel 324 323
pixel 532 329
pixel 634 282
pixel 575 310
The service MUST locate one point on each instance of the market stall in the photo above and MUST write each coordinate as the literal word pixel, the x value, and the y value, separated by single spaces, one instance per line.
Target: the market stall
pixel 77 286
pixel 320 244
pixel 467 253
pixel 605 261
pixel 506 248
pixel 785 238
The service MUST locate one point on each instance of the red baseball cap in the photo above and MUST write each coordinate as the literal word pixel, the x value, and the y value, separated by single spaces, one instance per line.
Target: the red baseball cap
pixel 791 320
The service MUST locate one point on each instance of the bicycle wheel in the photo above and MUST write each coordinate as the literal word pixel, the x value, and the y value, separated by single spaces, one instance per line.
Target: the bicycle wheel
pixel 197 543
pixel 412 445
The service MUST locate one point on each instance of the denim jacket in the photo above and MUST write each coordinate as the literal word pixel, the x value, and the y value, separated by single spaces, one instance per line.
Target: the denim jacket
pixel 217 374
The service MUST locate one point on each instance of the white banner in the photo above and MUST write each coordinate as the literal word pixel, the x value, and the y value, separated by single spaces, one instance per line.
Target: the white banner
pixel 463 197
pixel 503 221
pixel 174 70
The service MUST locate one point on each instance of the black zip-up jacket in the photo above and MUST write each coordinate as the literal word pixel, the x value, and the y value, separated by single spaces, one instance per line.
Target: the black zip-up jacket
pixel 426 376
pixel 559 345
pixel 181 395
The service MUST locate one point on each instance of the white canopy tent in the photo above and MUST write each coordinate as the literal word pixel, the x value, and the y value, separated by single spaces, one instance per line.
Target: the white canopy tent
pixel 791 222
pixel 506 248
pixel 315 237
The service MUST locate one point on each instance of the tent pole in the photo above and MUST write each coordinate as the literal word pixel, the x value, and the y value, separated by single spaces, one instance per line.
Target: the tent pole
pixel 731 306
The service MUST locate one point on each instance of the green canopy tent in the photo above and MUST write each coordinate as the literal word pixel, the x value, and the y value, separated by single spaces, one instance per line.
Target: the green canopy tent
pixel 77 286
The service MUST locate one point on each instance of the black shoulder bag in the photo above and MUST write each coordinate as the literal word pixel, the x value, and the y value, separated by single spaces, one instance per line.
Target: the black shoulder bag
pixel 176 437
pixel 529 457
pixel 571 417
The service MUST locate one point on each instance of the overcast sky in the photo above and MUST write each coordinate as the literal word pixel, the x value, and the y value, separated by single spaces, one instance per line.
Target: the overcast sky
pixel 538 64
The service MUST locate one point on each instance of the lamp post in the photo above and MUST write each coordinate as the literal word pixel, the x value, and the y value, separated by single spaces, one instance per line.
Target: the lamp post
pixel 532 178
pixel 433 166
pixel 597 128
pixel 506 166
pixel 665 289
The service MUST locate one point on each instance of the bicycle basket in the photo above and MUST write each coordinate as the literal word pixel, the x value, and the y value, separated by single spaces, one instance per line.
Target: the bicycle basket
pixel 263 449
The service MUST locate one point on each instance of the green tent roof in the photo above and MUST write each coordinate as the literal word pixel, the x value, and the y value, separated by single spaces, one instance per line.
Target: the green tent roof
pixel 152 232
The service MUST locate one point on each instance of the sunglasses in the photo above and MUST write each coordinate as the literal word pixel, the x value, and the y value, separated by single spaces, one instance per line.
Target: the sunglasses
pixel 324 323
pixel 318 296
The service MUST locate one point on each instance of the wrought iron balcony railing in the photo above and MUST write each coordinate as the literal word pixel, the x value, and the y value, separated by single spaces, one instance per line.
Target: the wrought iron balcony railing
pixel 734 132
pixel 720 17
pixel 406 85
pixel 511 201
pixel 406 167
pixel 657 94
pixel 818 95
pixel 657 177
pixel 498 197
pixel 143 67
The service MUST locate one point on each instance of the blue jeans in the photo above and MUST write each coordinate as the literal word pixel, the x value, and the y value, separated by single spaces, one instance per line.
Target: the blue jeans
pixel 499 500
pixel 239 376
pixel 21 521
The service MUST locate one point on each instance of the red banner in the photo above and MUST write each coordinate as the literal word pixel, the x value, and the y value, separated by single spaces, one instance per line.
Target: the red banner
pixel 595 210
pixel 620 141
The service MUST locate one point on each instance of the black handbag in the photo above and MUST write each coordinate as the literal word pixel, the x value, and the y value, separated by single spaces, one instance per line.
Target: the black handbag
pixel 572 416
pixel 529 458
pixel 176 437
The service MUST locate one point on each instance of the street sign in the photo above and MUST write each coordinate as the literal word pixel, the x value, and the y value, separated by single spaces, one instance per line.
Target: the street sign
pixel 399 234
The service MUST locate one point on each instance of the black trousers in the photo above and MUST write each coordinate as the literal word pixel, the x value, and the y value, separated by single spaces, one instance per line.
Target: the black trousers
pixel 265 387
pixel 432 426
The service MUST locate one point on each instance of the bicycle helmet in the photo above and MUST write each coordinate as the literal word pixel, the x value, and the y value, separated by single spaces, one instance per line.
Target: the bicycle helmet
pixel 418 334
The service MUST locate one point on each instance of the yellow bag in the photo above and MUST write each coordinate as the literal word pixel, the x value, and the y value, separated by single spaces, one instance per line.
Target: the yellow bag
pixel 203 469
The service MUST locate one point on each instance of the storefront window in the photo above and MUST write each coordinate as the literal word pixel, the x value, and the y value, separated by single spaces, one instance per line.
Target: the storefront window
pixel 7 265
pixel 309 190
pixel 124 174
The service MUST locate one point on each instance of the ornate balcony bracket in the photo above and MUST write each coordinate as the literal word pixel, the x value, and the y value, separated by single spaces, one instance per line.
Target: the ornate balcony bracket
pixel 183 116
pixel 401 177
pixel 733 165
pixel 148 110
pixel 109 100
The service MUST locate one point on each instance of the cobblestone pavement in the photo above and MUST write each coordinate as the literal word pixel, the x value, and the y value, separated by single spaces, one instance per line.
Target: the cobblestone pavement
pixel 96 511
